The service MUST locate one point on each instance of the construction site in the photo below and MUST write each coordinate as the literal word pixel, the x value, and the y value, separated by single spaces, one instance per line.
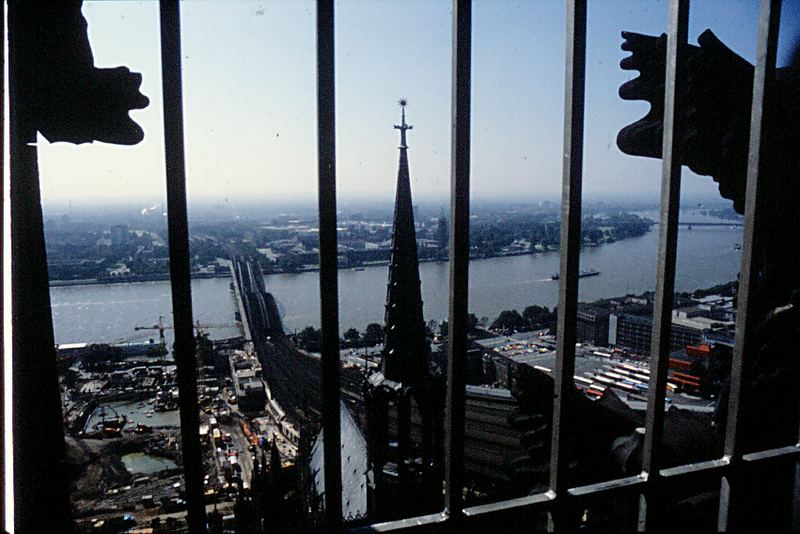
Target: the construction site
pixel 122 428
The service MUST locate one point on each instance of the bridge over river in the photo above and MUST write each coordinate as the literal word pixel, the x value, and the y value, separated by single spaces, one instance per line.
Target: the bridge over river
pixel 257 307
pixel 293 376
pixel 725 224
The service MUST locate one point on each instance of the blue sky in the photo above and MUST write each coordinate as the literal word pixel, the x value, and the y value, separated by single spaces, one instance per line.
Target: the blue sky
pixel 249 90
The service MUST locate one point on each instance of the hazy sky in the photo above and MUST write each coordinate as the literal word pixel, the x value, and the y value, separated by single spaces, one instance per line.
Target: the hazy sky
pixel 250 108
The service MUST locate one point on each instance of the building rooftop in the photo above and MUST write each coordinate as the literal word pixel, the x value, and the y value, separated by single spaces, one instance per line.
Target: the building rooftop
pixel 355 469
pixel 701 323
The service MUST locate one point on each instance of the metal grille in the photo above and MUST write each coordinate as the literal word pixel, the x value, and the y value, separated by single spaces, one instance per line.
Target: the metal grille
pixel 560 498
pixel 30 275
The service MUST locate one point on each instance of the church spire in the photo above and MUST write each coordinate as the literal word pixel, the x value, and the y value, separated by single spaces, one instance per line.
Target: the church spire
pixel 405 350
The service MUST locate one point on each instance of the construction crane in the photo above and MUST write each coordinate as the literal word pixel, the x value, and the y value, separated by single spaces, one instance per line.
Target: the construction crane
pixel 199 328
pixel 160 327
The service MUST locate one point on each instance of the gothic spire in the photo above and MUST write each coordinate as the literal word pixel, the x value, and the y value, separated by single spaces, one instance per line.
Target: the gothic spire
pixel 405 350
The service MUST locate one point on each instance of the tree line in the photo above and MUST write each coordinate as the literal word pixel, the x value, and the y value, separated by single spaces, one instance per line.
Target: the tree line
pixel 532 318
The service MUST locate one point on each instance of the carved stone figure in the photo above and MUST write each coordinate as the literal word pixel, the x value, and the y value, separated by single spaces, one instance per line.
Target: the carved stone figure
pixel 55 89
pixel 604 442
pixel 65 96
pixel 718 94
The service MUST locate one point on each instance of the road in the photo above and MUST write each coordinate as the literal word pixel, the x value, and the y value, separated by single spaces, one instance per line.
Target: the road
pixel 240 443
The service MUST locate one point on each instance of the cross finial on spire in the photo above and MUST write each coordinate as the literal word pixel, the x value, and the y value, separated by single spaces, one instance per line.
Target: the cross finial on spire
pixel 403 126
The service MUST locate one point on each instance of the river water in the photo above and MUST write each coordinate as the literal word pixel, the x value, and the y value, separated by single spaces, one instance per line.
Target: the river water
pixel 706 257
pixel 109 312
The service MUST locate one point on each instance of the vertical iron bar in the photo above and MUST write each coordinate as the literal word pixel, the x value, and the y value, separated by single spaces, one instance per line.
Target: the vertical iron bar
pixel 2 263
pixel 41 494
pixel 572 185
pixel 747 317
pixel 461 101
pixel 184 349
pixel 667 254
pixel 328 273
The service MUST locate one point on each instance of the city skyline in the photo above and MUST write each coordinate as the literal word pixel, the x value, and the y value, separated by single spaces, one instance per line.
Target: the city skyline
pixel 250 108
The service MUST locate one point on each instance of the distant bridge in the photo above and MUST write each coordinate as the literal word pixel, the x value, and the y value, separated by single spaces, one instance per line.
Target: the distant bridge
pixel 260 312
pixel 292 376
pixel 732 223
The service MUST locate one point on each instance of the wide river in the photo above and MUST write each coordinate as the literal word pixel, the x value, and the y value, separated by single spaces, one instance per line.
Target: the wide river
pixel 108 313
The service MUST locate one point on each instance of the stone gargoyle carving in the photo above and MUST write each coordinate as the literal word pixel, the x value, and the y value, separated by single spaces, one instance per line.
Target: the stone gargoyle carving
pixel 603 443
pixel 718 94
pixel 62 94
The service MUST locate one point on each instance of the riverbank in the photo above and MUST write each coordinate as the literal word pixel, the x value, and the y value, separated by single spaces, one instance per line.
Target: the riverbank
pixel 132 279
pixel 706 256
pixel 164 277
pixel 308 269
pixel 384 263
